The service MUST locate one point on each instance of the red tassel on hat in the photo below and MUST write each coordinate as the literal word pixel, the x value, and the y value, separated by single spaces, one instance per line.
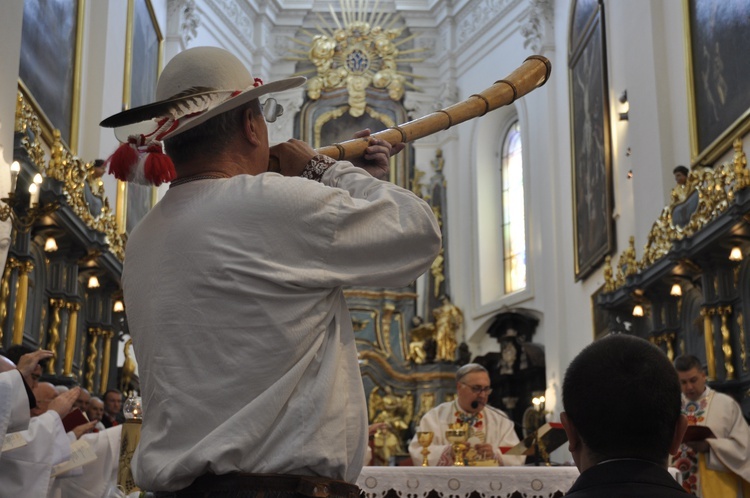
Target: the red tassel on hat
pixel 121 162
pixel 159 168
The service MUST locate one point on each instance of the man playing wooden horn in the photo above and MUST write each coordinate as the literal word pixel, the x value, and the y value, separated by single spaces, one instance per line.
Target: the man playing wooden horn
pixel 233 285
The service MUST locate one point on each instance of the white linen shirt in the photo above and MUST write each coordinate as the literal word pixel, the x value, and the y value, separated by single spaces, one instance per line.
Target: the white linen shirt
pixel 233 291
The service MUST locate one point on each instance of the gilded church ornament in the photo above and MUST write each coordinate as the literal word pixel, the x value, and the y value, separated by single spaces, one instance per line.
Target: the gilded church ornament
pixel 396 413
pixel 72 171
pixel 362 50
pixel 715 190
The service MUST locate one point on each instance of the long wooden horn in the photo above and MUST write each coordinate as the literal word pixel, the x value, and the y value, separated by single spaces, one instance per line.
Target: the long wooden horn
pixel 532 74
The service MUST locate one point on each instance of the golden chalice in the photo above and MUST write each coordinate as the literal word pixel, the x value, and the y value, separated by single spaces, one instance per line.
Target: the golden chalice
pixel 425 440
pixel 457 436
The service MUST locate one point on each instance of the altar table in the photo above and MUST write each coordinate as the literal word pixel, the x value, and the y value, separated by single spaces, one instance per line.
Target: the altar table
pixel 461 482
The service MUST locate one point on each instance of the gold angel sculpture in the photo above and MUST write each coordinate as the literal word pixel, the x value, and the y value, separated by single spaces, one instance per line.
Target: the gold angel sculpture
pixel 448 321
pixel 418 336
pixel 395 411
pixel 128 368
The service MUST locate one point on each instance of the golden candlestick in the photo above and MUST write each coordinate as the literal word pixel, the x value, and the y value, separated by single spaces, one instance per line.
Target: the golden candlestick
pixel 425 440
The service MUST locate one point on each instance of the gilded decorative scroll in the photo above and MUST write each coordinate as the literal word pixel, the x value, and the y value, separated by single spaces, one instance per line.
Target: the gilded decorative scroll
pixel 27 123
pixel 715 189
pixel 426 403
pixel 70 338
pixel 53 337
pixel 75 174
pixel 72 172
pixel 708 336
pixel 385 328
pixel 416 377
pixel 94 333
pixel 5 292
pixel 361 50
pixel 22 298
pixel 668 340
pixel 743 348
pixel 726 346
pixel 107 336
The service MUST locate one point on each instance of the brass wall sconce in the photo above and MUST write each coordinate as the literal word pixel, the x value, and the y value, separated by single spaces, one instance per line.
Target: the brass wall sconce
pixel 676 290
pixel 50 245
pixel 93 282
pixel 118 307
pixel 22 213
pixel 624 105
pixel 638 310
pixel 735 254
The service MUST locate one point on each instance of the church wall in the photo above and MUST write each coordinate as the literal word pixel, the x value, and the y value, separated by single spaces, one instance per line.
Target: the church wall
pixel 10 40
pixel 646 56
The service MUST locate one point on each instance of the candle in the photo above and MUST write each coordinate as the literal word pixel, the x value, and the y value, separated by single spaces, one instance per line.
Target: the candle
pixel 15 168
pixel 33 195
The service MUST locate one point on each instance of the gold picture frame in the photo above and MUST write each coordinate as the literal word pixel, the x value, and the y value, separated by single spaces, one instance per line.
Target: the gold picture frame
pixel 591 170
pixel 717 39
pixel 147 49
pixel 49 75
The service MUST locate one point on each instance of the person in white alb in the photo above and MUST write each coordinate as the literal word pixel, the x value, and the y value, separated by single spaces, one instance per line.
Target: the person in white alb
pixel 26 471
pixel 717 466
pixel 16 394
pixel 233 286
pixel 489 428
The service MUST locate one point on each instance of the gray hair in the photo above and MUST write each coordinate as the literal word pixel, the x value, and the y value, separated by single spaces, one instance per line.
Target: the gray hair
pixel 469 368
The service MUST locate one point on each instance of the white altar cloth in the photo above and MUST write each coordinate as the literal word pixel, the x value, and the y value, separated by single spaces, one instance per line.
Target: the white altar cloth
pixel 461 482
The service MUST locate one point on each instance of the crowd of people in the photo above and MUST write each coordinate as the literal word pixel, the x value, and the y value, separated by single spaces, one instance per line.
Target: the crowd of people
pixel 249 371
pixel 43 422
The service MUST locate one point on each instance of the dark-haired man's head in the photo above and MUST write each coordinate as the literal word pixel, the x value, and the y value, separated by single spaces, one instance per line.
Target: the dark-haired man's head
pixel 680 174
pixel 112 402
pixel 691 375
pixel 621 397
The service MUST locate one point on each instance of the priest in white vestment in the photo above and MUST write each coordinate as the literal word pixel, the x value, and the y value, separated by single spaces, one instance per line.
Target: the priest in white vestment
pixel 15 395
pixel 27 471
pixel 95 479
pixel 14 403
pixel 714 467
pixel 489 428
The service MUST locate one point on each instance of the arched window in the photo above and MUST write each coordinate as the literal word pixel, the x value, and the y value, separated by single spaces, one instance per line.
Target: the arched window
pixel 502 268
pixel 513 211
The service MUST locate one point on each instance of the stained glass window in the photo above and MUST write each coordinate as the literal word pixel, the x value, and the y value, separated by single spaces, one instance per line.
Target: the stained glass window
pixel 514 215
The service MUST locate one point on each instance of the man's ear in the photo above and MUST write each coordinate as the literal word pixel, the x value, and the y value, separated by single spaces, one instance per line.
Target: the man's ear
pixel 679 432
pixel 250 127
pixel 574 440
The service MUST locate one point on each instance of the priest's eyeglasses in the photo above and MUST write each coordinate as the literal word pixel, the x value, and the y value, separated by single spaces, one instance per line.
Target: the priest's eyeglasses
pixel 478 389
pixel 271 110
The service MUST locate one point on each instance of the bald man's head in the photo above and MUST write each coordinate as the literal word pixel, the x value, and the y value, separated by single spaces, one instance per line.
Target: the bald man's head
pixel 6 364
pixel 44 393
pixel 95 409
pixel 83 400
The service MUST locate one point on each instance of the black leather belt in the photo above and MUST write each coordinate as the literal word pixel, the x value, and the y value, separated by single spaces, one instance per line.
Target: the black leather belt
pixel 260 484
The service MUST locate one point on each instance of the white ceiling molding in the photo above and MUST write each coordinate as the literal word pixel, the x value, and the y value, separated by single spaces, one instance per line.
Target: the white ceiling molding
pixel 538 26
pixel 183 20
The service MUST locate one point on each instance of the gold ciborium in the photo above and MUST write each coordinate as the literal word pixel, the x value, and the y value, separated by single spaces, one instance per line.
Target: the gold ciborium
pixel 425 440
pixel 457 434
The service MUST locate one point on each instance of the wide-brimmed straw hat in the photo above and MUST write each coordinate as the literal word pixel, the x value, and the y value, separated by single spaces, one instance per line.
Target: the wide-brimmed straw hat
pixel 196 85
